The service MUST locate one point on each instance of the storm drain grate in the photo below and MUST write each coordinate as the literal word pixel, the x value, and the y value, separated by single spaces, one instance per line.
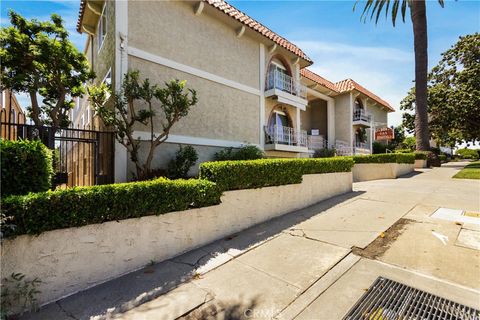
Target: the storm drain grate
pixel 390 300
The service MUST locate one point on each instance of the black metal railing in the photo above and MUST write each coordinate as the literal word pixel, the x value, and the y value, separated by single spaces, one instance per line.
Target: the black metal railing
pixel 81 156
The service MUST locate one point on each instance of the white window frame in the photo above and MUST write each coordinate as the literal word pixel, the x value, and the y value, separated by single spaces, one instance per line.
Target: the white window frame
pixel 101 28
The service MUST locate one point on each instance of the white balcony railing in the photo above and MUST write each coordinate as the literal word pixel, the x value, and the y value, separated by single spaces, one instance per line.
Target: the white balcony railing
pixel 342 148
pixel 285 135
pixel 360 115
pixel 284 82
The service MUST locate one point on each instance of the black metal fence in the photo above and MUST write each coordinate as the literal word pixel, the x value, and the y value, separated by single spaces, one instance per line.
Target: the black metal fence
pixel 82 156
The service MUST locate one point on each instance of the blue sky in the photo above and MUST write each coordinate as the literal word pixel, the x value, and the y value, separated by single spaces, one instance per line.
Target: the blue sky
pixel 380 57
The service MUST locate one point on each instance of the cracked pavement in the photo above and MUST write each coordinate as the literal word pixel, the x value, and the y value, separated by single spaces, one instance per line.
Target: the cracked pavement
pixel 301 265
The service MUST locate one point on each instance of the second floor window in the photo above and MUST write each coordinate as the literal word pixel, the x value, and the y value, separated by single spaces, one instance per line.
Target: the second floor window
pixel 102 27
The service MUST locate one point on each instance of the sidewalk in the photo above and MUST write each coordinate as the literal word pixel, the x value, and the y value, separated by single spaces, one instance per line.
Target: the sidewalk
pixel 311 264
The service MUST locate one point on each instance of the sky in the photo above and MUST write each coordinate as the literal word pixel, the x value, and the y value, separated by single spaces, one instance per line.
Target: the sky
pixel 379 57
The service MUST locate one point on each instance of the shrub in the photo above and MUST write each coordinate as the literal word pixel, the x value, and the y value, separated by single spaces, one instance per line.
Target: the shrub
pixel 421 155
pixel 379 147
pixel 184 159
pixel 26 166
pixel 403 151
pixel 467 153
pixel 234 175
pixel 38 212
pixel 433 160
pixel 324 153
pixel 243 153
pixel 386 158
pixel 442 157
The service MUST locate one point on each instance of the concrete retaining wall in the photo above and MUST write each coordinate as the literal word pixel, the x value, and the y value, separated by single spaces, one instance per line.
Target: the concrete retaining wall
pixel 74 259
pixel 420 164
pixel 375 171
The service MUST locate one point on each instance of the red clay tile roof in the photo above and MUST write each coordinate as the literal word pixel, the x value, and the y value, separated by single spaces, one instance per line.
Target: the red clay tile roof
pixel 349 85
pixel 257 26
pixel 318 79
pixel 236 14
pixel 80 15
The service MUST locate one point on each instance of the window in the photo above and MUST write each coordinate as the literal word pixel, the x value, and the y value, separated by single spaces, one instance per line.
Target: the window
pixel 358 104
pixel 102 27
pixel 279 77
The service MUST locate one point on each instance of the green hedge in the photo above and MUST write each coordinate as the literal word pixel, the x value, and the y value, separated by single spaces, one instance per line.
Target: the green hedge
pixel 468 153
pixel 386 158
pixel 26 166
pixel 234 175
pixel 421 155
pixel 38 212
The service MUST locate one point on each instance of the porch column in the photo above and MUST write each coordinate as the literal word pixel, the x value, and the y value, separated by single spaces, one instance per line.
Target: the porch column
pixel 331 122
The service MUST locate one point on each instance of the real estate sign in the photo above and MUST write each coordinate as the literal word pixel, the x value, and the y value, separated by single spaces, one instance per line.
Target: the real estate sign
pixel 384 134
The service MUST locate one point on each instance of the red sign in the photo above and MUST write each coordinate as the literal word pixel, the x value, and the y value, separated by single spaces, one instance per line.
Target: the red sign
pixel 384 134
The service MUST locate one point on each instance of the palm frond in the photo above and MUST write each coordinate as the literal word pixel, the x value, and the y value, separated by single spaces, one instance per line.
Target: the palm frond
pixel 396 4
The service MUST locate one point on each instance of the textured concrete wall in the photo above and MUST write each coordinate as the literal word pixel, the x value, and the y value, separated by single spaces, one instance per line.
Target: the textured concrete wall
pixel 70 260
pixel 376 171
pixel 315 117
pixel 343 118
pixel 221 113
pixel 171 30
pixel 420 164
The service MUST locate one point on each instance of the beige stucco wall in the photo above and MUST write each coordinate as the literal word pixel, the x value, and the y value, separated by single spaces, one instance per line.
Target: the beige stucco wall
pixel 70 260
pixel 221 113
pixel 315 117
pixel 343 118
pixel 376 171
pixel 166 152
pixel 171 30
pixel 379 113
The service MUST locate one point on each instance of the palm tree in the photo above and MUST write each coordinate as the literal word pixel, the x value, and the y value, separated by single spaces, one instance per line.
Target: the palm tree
pixel 419 21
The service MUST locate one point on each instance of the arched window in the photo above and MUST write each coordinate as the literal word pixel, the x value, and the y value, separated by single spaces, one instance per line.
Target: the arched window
pixel 279 118
pixel 279 75
pixel 359 105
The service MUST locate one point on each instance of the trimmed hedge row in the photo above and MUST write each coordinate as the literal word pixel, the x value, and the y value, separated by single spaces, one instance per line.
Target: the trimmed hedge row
pixel 386 158
pixel 38 212
pixel 234 175
pixel 26 166
pixel 421 155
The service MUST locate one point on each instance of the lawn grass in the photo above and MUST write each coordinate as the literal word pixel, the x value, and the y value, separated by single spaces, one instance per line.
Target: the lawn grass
pixel 471 171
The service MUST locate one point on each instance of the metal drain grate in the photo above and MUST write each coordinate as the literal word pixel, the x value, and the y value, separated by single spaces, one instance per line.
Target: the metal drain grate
pixel 390 300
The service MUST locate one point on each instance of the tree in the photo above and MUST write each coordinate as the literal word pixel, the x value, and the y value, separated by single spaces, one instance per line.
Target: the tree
pixel 419 21
pixel 39 59
pixel 122 111
pixel 453 95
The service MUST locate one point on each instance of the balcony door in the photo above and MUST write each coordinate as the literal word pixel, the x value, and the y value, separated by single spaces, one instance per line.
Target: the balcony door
pixel 279 126
pixel 278 76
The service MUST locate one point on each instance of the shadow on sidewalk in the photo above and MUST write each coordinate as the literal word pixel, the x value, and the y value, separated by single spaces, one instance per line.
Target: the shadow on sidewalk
pixel 135 288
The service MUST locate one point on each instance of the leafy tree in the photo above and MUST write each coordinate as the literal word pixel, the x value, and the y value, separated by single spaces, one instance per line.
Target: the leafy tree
pixel 39 59
pixel 124 114
pixel 418 16
pixel 453 95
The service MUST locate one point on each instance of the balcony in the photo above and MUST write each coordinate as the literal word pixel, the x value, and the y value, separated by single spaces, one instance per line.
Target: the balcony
pixel 362 118
pixel 281 138
pixel 362 148
pixel 286 89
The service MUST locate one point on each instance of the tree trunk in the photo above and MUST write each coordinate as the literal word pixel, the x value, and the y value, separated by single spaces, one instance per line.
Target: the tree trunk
pixel 35 114
pixel 419 22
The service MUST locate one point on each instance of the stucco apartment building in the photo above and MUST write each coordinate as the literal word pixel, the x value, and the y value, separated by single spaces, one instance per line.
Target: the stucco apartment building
pixel 253 85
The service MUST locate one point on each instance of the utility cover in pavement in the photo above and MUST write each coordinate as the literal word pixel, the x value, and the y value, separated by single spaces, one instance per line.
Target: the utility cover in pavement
pixel 390 300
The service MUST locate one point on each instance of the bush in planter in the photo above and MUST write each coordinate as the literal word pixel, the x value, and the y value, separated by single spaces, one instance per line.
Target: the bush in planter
pixel 234 175
pixel 65 208
pixel 324 153
pixel 184 159
pixel 421 155
pixel 442 157
pixel 244 153
pixel 467 153
pixel 26 166
pixel 386 158
pixel 433 160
